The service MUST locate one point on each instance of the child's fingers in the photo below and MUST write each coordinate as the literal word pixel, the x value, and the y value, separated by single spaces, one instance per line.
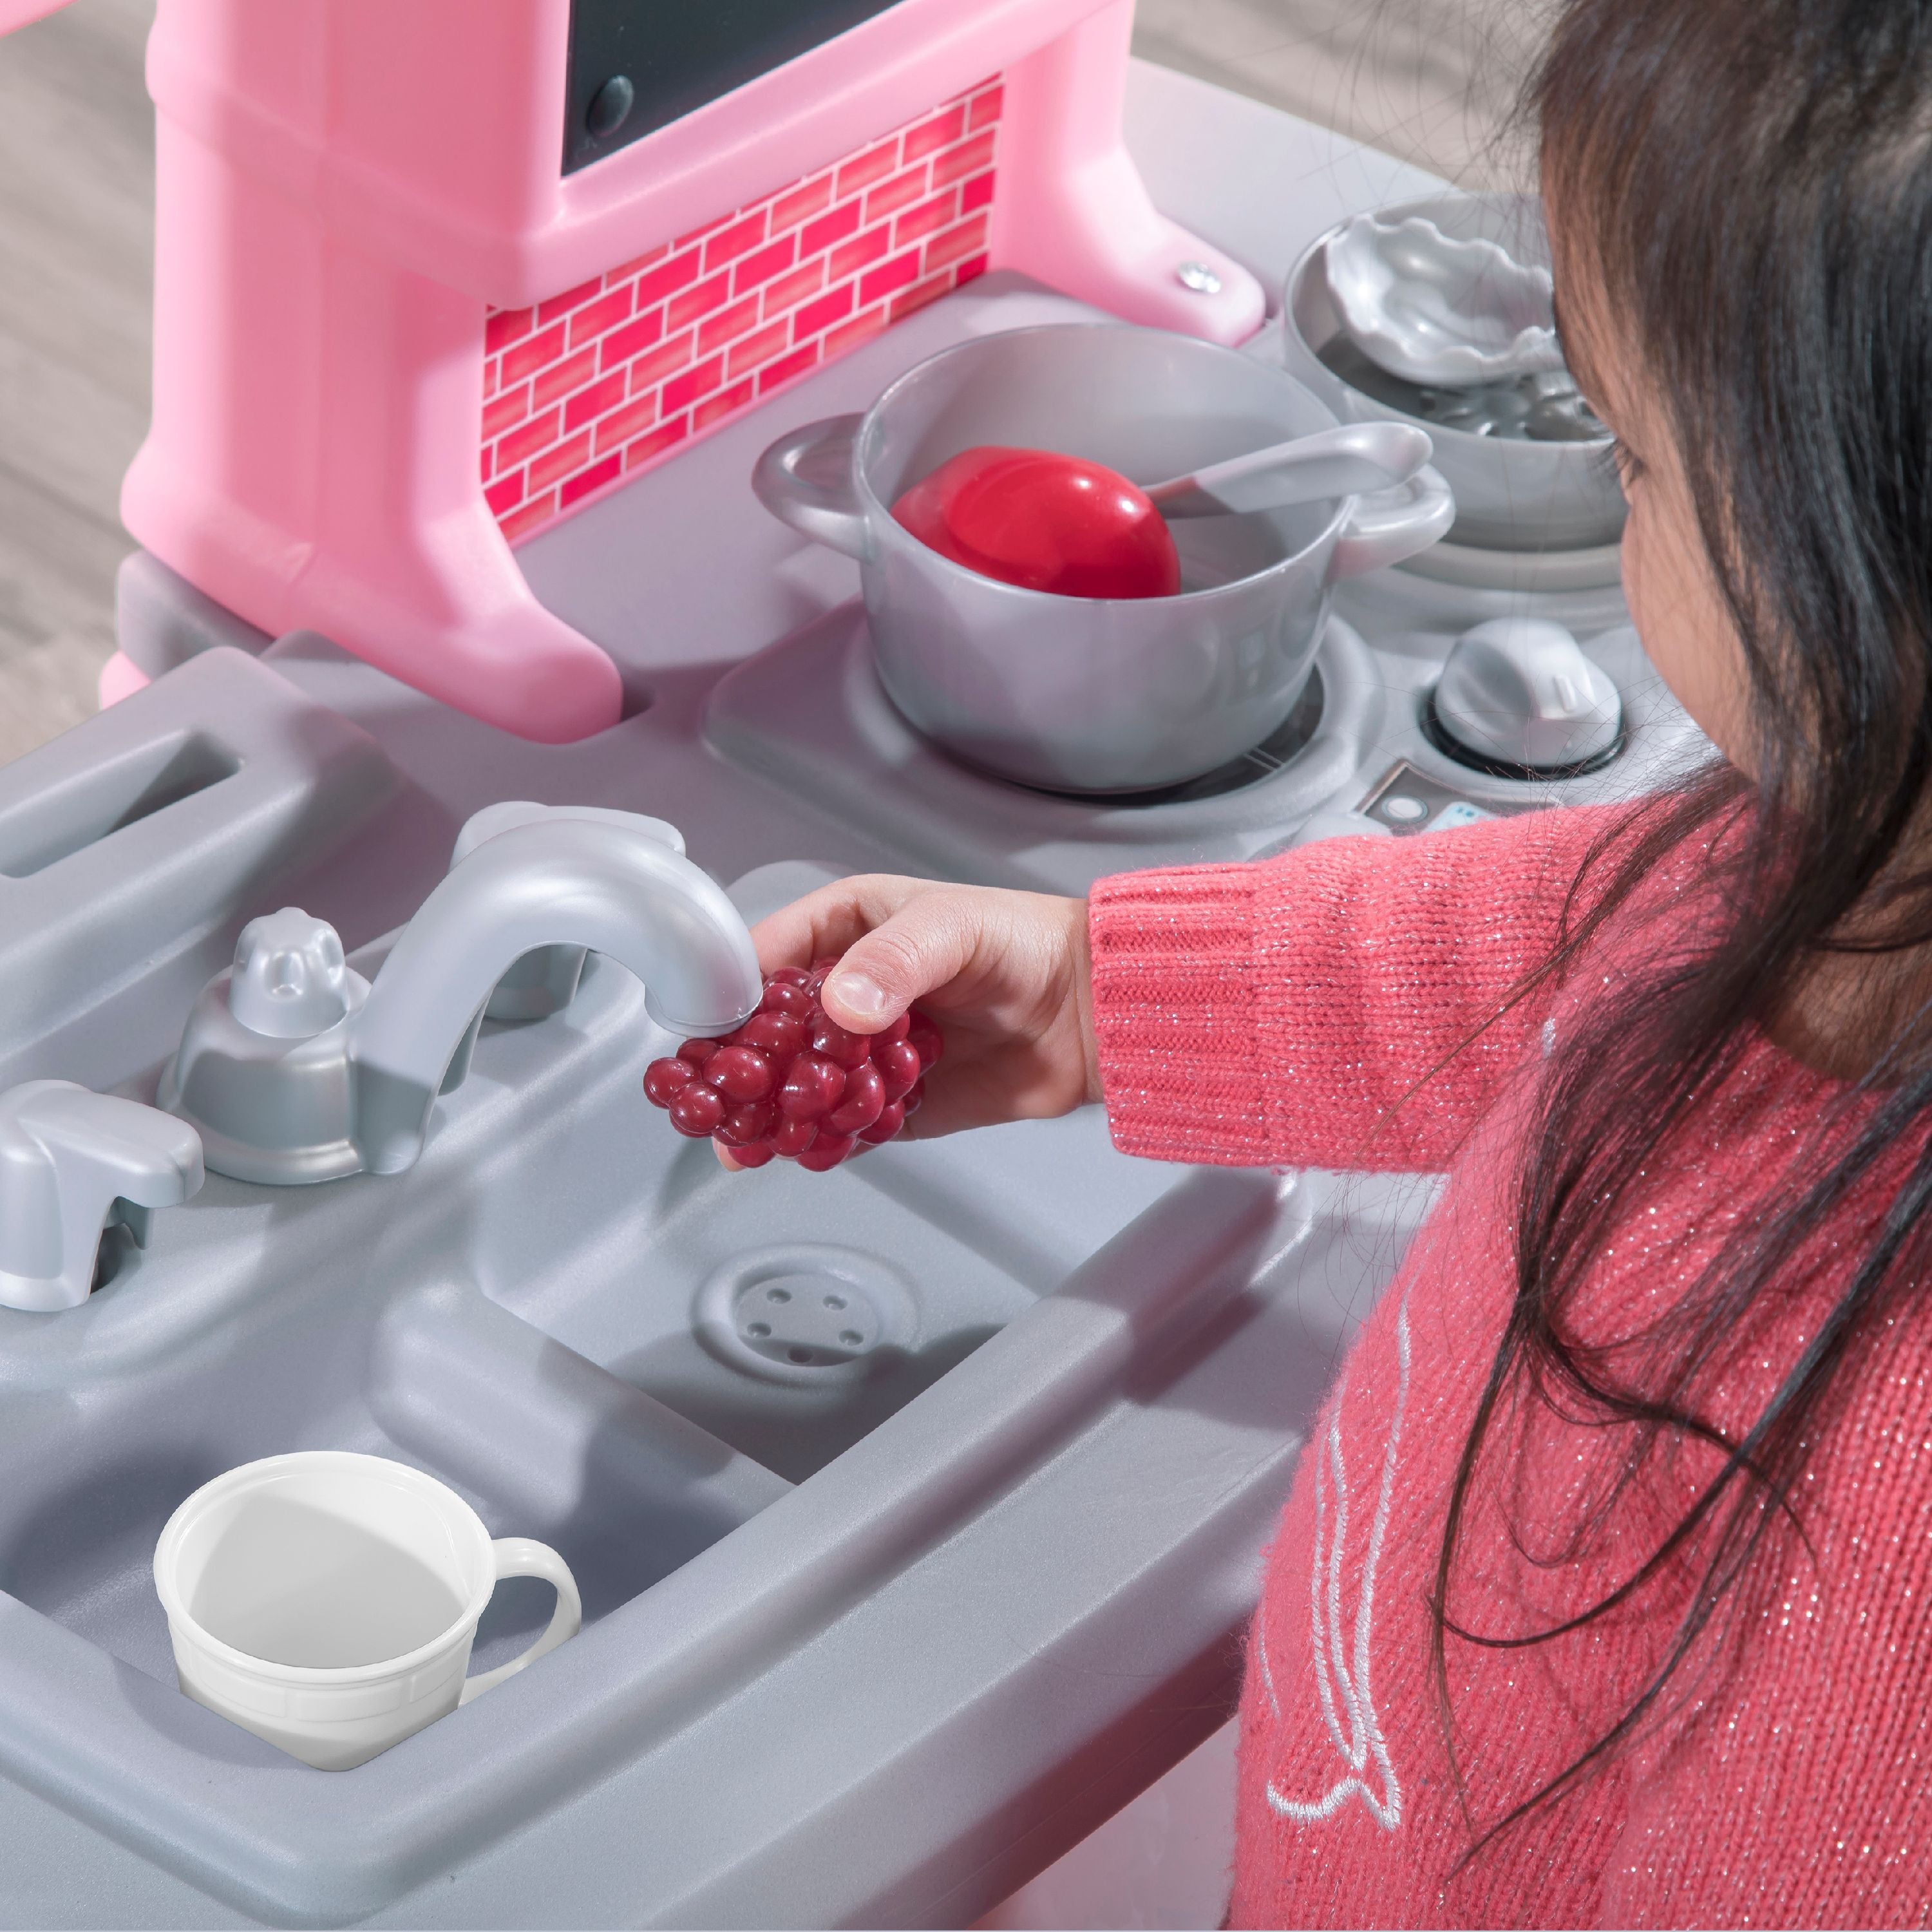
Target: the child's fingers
pixel 824 923
pixel 925 944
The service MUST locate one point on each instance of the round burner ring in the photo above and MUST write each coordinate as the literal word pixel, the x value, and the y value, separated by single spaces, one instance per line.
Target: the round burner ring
pixel 1289 739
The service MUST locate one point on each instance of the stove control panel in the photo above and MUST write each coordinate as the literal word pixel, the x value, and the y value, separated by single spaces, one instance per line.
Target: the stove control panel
pixel 1407 800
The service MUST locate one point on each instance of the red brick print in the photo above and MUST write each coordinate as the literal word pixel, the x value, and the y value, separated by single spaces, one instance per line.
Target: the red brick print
pixel 857 253
pixel 520 444
pixel 506 325
pixel 928 291
pixel 868 168
pixel 929 137
pixel 637 264
pixel 559 462
pixel 701 300
pixel 890 196
pixel 647 449
pixel 548 311
pixel 531 518
pixel 619 427
pixel 683 391
pixel 855 331
pixel 740 239
pixel 526 357
pixel 505 412
pixel 842 222
pixel 967 159
pixel 894 274
pixel 576 487
pixel 759 348
pixel 563 377
pixel 754 271
pixel 801 204
pixel 648 371
pixel 587 405
pixel 834 306
pixel 740 319
pixel 678 273
pixel 964 240
pixel 928 218
pixel 795 364
pixel 786 293
pixel 722 404
pixel 709 228
pixel 600 317
pixel 591 386
pixel 633 339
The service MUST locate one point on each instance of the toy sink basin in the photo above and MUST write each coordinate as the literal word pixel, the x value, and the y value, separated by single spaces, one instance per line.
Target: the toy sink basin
pixel 798 1574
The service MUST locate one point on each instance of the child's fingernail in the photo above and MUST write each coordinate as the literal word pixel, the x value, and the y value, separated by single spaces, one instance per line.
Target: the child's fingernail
pixel 858 995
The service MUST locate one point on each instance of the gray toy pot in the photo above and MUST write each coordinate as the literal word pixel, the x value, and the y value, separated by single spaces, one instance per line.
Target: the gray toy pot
pixel 1079 695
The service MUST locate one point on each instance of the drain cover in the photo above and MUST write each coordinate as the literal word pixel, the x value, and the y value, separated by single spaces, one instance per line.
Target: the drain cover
pixel 806 1313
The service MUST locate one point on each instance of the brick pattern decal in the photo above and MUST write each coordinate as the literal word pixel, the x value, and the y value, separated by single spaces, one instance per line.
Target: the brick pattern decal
pixel 610 377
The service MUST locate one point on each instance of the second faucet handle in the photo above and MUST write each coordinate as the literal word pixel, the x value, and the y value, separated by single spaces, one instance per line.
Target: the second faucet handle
pixel 73 1163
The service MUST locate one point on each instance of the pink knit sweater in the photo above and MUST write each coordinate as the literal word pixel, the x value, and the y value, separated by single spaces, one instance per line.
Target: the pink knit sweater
pixel 1282 1013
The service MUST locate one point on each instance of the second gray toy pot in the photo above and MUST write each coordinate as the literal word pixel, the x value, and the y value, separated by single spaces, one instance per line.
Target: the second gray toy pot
pixel 1083 694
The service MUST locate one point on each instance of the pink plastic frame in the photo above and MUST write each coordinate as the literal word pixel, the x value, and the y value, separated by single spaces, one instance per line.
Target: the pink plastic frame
pixel 346 187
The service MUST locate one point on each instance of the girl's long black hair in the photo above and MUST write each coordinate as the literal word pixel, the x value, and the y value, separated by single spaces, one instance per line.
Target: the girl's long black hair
pixel 1747 184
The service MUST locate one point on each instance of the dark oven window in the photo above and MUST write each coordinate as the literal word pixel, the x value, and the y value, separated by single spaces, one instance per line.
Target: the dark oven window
pixel 637 65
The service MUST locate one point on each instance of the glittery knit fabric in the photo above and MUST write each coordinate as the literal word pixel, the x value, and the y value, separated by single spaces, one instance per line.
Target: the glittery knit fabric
pixel 1306 1011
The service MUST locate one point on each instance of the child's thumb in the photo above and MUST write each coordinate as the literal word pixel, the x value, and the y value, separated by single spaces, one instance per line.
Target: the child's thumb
pixel 922 945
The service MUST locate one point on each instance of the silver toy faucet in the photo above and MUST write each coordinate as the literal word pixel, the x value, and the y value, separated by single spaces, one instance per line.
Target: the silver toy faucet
pixel 294 1068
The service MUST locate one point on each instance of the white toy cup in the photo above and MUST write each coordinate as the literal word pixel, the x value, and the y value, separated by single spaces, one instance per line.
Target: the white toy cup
pixel 328 1601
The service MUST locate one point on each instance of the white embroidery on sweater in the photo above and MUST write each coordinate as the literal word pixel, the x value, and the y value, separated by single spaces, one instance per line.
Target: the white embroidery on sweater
pixel 1343 1686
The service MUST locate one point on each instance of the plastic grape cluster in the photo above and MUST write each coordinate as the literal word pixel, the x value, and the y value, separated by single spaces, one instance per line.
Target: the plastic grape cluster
pixel 792 1083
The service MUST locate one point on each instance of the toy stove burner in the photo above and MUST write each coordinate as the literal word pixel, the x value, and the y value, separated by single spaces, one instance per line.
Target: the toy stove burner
pixel 1286 742
pixel 809 717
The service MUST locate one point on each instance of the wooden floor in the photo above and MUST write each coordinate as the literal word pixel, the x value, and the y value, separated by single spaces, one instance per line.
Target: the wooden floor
pixel 1425 78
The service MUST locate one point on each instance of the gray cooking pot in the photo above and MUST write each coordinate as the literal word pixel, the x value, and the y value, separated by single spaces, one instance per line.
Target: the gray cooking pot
pixel 1084 695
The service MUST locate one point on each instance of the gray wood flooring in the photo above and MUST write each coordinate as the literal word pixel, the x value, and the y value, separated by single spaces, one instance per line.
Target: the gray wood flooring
pixel 1427 79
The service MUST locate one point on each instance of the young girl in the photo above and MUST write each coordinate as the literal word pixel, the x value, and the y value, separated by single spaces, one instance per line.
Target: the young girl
pixel 1630 1620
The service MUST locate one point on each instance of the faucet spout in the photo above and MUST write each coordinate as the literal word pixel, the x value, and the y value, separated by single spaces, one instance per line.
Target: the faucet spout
pixel 574 882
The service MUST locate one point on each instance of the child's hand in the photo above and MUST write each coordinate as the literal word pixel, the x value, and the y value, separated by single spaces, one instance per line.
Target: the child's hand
pixel 1005 974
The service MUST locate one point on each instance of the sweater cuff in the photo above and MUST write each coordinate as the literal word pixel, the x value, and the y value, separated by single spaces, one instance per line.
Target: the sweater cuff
pixel 1175 1013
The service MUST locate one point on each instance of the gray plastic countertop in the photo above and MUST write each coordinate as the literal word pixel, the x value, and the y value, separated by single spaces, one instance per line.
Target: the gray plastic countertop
pixel 869 1645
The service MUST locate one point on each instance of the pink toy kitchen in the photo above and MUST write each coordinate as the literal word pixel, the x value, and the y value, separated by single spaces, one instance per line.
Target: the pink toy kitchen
pixel 529 595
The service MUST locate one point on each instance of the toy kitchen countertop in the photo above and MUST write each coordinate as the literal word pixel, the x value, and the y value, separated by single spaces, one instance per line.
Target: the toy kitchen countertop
pixel 916 1507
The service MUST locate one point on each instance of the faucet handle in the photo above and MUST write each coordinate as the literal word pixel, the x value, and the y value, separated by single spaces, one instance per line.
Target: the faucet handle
pixel 73 1163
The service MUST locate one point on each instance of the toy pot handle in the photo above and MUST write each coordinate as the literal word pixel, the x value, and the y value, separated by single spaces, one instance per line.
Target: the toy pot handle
pixel 806 479
pixel 1392 525
pixel 518 1556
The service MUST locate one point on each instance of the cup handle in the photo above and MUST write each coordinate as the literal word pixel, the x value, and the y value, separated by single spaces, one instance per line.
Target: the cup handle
pixel 1391 526
pixel 518 1556
pixel 805 479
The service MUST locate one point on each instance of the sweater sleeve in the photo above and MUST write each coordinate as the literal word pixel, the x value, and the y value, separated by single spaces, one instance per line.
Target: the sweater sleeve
pixel 1346 1005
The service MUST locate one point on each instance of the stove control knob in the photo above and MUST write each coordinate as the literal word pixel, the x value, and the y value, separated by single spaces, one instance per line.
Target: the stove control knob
pixel 1518 692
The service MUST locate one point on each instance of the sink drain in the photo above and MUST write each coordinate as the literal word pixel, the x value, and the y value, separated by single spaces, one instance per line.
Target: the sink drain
pixel 806 1313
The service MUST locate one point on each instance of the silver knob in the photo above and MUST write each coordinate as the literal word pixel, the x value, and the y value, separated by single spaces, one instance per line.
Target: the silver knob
pixel 1518 691
pixel 73 1164
pixel 290 981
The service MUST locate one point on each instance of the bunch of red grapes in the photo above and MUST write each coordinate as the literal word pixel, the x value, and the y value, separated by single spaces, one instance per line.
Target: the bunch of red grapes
pixel 791 1082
